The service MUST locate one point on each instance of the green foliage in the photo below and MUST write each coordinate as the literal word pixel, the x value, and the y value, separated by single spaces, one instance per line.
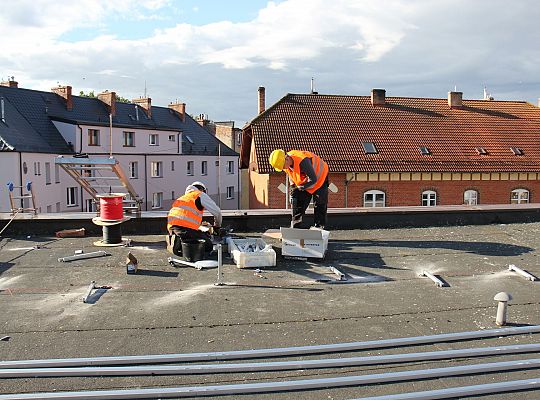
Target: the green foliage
pixel 91 94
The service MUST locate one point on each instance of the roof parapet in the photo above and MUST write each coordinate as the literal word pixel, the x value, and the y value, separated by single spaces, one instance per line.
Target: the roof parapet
pixel 378 97
pixel 109 98
pixel 64 92
pixel 455 99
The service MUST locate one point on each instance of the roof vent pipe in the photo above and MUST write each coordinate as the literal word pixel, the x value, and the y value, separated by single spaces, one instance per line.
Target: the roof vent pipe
pixel 2 107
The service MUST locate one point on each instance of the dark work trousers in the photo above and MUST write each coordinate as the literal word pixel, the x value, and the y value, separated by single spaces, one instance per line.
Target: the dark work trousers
pixel 300 200
pixel 187 234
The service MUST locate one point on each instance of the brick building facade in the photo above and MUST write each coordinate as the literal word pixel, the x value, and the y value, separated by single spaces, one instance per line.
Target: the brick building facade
pixel 400 151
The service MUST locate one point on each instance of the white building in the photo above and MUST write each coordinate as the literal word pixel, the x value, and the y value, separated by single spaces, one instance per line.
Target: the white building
pixel 160 149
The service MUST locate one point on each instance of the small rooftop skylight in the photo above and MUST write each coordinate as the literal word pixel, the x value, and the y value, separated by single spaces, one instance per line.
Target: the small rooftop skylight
pixel 369 148
pixel 517 151
pixel 425 151
pixel 189 139
pixel 481 151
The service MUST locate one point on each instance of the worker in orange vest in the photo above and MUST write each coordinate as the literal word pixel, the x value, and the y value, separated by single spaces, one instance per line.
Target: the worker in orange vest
pixel 308 174
pixel 185 218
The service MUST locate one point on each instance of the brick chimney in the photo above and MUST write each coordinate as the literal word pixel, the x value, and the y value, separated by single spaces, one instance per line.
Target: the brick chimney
pixel 65 92
pixel 378 97
pixel 146 103
pixel 180 108
pixel 455 99
pixel 109 98
pixel 11 82
pixel 262 99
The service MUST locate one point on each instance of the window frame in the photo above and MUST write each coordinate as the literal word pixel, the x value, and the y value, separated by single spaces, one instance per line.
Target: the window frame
pixel 48 173
pixel 230 195
pixel 374 201
pixel 468 202
pixel 429 200
pixel 190 168
pixel 128 138
pixel 152 142
pixel 520 192
pixel 369 148
pixel 204 168
pixel 72 199
pixel 93 137
pixel 156 169
pixel 230 167
pixel 159 203
pixel 133 173
pixel 172 138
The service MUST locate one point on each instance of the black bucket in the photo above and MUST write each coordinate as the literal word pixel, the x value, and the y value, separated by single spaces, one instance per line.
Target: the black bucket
pixel 193 250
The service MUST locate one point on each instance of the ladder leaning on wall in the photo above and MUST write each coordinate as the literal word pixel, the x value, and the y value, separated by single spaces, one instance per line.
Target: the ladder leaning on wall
pixel 29 194
pixel 101 175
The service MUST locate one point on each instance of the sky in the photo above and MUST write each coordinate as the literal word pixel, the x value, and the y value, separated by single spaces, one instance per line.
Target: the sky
pixel 214 54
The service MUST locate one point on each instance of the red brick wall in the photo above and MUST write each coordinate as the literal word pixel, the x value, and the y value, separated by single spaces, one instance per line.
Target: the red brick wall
pixel 398 193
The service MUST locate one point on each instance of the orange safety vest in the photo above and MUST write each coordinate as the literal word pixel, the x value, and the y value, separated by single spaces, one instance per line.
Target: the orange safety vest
pixel 319 166
pixel 184 212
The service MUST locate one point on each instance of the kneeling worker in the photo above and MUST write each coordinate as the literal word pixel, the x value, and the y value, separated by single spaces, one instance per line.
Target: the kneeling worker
pixel 186 217
pixel 309 176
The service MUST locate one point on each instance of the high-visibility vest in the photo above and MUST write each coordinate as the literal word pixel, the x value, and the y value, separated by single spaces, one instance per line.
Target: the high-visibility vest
pixel 319 166
pixel 184 212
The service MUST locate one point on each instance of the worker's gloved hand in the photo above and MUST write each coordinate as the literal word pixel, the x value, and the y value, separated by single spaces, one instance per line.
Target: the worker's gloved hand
pixel 216 229
pixel 301 187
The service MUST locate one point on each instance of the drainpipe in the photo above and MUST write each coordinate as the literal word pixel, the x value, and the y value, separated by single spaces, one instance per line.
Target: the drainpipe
pixel 347 190
pixel 80 139
pixel 21 176
pixel 239 188
pixel 145 185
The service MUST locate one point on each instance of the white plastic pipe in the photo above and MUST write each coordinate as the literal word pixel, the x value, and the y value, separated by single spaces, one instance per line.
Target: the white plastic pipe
pixel 272 352
pixel 265 366
pixel 521 272
pixel 281 386
pixel 433 278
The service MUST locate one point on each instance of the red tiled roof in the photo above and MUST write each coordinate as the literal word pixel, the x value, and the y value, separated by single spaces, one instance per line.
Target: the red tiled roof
pixel 334 127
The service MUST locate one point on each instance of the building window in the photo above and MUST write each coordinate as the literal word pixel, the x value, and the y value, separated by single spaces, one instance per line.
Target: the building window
pixel 470 197
pixel 128 139
pixel 230 192
pixel 153 139
pixel 172 138
pixel 47 173
pixel 56 173
pixel 429 198
pixel 425 151
pixel 230 167
pixel 369 147
pixel 239 138
pixel 89 205
pixel 156 169
pixel 93 137
pixel 49 209
pixel 37 168
pixel 374 198
pixel 157 200
pixel 172 196
pixel 519 196
pixel 204 167
pixel 517 151
pixel 72 196
pixel 189 170
pixel 133 168
pixel 172 165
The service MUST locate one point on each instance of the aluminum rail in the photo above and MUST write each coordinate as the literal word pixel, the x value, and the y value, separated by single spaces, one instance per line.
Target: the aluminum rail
pixel 450 393
pixel 272 352
pixel 282 386
pixel 521 272
pixel 437 281
pixel 265 366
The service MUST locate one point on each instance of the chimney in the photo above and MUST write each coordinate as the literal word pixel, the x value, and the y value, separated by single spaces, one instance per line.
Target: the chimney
pixel 109 98
pixel 11 82
pixel 455 99
pixel 180 108
pixel 261 99
pixel 146 103
pixel 378 97
pixel 65 92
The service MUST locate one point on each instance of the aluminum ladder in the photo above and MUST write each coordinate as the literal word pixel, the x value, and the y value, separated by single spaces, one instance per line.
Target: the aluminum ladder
pixel 28 195
pixel 101 175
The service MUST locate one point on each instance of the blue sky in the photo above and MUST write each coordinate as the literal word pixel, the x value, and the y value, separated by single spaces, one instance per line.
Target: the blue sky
pixel 213 55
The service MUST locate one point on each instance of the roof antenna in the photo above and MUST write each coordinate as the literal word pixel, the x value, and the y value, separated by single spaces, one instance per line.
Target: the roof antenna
pixel 455 88
pixel 145 88
pixel 312 86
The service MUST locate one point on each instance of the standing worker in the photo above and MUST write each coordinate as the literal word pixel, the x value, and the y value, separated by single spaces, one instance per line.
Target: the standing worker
pixel 186 217
pixel 309 176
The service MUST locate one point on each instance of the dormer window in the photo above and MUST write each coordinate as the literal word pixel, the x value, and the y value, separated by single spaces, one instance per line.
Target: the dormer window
pixel 424 151
pixel 482 151
pixel 369 148
pixel 517 151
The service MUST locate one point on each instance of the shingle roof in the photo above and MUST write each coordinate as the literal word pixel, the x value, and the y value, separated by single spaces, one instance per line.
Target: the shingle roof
pixel 29 128
pixel 334 127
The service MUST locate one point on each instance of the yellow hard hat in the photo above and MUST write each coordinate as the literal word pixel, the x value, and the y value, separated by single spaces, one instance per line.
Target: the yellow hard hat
pixel 277 159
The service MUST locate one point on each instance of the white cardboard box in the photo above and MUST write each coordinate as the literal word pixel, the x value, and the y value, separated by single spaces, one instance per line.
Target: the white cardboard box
pixel 243 259
pixel 304 242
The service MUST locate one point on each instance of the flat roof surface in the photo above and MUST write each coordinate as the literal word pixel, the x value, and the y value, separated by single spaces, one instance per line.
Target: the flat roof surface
pixel 165 309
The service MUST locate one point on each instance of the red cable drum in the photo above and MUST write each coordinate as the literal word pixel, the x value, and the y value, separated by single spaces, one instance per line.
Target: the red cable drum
pixel 110 206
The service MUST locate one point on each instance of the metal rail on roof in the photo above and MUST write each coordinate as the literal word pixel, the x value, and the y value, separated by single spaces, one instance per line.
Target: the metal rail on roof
pixel 84 171
pixel 264 366
pixel 282 386
pixel 272 352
